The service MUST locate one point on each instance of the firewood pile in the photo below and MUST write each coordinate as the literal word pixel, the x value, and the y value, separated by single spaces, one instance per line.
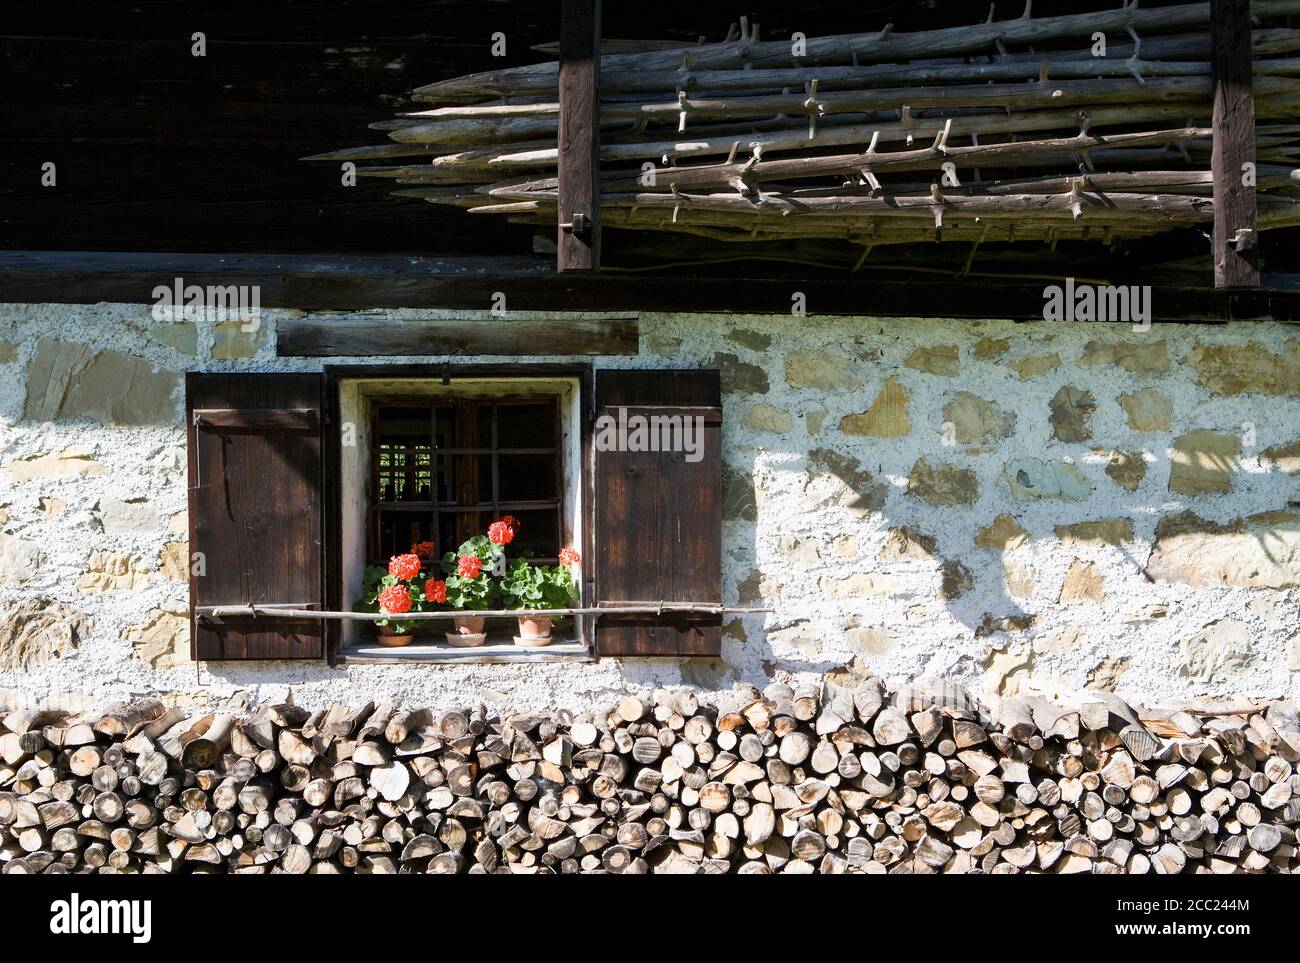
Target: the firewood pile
pixel 841 777
pixel 1019 129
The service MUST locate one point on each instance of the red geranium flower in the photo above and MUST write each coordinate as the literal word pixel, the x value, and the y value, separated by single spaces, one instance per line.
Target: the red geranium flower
pixel 513 522
pixel 395 600
pixel 569 556
pixel 423 549
pixel 435 590
pixel 405 567
pixel 501 533
pixel 469 566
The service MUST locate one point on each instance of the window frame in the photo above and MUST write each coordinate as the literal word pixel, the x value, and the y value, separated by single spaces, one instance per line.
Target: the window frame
pixel 334 374
pixel 464 422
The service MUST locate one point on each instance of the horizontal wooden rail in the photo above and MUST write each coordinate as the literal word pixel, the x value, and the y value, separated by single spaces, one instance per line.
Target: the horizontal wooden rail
pixel 350 283
pixel 631 608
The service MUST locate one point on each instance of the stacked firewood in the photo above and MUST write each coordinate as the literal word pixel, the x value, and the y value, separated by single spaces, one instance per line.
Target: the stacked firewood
pixel 840 777
pixel 1009 130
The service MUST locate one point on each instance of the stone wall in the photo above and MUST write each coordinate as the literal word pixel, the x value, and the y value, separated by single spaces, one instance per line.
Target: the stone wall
pixel 1016 507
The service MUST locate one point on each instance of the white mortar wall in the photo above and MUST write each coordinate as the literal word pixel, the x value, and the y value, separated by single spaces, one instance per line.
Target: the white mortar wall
pixel 921 633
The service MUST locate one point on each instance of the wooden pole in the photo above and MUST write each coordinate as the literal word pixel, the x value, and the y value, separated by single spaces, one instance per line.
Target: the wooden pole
pixel 578 240
pixel 1236 249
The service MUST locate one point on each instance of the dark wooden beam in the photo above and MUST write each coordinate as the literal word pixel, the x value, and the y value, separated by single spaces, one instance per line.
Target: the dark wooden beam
pixel 1236 241
pixel 579 139
pixel 313 337
pixel 356 283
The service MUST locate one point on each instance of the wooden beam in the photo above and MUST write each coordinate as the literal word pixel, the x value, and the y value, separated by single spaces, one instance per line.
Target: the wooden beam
pixel 1236 240
pixel 579 138
pixel 356 283
pixel 368 336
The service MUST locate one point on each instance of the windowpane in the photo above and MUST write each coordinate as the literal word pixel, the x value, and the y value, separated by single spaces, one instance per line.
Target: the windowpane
pixel 404 453
pixel 451 496
pixel 527 477
pixel 537 536
pixel 401 532
pixel 526 425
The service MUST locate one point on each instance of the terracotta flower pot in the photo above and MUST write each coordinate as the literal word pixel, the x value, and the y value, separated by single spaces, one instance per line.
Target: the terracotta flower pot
pixel 469 624
pixel 392 638
pixel 534 630
pixel 469 631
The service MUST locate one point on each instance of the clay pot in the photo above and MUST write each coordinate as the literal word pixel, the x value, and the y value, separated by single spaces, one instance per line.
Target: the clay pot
pixel 469 624
pixel 388 636
pixel 469 632
pixel 534 630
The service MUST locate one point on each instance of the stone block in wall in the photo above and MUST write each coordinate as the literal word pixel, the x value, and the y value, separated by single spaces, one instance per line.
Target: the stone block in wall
pixel 1147 358
pixel 938 359
pixel 821 369
pixel 111 571
pixel 131 517
pixel 1034 478
pixel 990 349
pixel 19 559
pixel 163 639
pixel 72 462
pixel 942 485
pixel 1126 469
pixel 174 561
pixel 236 338
pixel 35 630
pixel 1259 551
pixel 837 479
pixel 1216 652
pixel 977 421
pixel 906 544
pixel 1083 582
pixel 1284 458
pixel 886 418
pixel 1071 414
pixel 765 417
pixel 1203 462
pixel 1100 531
pixel 70 380
pixel 1147 410
pixel 1004 532
pixel 1234 369
pixel 740 377
pixel 1034 366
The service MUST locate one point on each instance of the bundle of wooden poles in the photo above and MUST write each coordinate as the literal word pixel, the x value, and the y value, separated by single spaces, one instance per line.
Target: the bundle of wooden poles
pixel 838 776
pixel 1007 130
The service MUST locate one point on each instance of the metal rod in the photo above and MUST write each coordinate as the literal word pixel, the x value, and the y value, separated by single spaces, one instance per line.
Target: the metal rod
pixel 632 608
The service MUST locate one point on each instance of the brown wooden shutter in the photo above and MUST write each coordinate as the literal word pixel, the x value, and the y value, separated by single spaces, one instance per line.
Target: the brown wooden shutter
pixel 658 518
pixel 255 500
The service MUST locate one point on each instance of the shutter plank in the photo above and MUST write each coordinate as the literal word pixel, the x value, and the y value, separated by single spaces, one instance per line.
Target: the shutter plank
pixel 256 510
pixel 658 528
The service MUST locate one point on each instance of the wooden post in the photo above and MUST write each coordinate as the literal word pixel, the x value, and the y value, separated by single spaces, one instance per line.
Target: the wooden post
pixel 1236 248
pixel 579 163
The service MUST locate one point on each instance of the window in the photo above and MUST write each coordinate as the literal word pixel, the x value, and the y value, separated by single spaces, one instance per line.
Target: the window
pixel 434 464
pixel 443 469
pixel 297 481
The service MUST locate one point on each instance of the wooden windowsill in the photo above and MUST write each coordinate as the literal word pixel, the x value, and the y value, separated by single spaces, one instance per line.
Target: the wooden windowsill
pixel 371 653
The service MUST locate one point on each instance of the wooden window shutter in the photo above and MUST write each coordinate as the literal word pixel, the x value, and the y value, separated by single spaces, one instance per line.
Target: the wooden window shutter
pixel 256 511
pixel 658 518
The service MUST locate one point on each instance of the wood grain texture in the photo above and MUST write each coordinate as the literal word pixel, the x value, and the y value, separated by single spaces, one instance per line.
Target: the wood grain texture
pixel 354 337
pixel 1236 241
pixel 352 283
pixel 255 509
pixel 579 136
pixel 658 525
